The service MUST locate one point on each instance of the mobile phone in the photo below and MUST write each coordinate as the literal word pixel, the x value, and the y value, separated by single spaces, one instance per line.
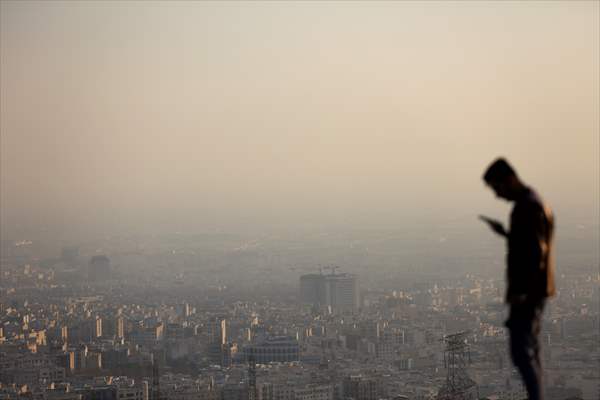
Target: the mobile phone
pixel 486 219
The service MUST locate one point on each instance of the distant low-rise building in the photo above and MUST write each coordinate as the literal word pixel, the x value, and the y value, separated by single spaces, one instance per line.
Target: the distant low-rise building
pixel 273 349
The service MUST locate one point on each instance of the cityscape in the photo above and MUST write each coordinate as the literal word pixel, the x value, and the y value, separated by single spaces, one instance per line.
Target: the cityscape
pixel 299 200
pixel 78 327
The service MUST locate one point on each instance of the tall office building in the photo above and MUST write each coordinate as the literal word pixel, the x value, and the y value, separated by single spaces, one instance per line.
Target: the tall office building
pixel 341 292
pixel 338 291
pixel 312 289
pixel 97 327
pixel 120 328
pixel 216 330
pixel 99 269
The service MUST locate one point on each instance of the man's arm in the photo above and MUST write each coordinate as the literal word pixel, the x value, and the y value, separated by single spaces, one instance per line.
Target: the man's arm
pixel 494 225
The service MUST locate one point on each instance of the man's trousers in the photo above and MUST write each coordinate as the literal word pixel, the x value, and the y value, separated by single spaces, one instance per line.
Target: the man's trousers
pixel 524 324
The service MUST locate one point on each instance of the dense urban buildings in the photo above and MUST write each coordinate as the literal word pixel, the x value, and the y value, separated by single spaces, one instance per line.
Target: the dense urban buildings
pixel 192 332
pixel 279 200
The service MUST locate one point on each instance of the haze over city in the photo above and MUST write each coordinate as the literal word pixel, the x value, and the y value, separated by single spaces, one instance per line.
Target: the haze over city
pixel 196 116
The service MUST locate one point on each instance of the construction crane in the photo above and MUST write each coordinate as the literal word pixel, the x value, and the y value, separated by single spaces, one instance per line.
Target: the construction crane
pixel 332 268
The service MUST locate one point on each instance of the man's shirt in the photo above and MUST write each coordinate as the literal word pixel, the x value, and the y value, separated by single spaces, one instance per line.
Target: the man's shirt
pixel 530 269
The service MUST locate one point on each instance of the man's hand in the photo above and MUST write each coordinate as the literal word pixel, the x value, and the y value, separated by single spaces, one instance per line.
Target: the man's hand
pixel 494 225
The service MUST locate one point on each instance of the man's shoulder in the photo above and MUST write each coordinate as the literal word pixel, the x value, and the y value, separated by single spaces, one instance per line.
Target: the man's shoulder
pixel 531 204
pixel 530 200
pixel 531 207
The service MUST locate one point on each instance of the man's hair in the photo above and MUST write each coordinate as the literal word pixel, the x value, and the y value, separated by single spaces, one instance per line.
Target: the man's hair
pixel 498 171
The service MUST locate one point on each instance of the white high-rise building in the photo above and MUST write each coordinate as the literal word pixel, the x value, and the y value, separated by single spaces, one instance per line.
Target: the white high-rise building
pixel 338 291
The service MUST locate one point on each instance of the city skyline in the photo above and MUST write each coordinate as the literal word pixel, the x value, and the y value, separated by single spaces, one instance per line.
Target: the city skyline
pixel 292 200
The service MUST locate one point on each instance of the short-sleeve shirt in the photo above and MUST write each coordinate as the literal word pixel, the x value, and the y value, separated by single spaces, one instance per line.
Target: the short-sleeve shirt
pixel 530 264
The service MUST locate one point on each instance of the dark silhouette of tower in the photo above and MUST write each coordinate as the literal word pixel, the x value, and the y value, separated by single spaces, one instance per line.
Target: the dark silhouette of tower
pixel 155 381
pixel 252 391
pixel 99 269
pixel 70 255
pixel 458 386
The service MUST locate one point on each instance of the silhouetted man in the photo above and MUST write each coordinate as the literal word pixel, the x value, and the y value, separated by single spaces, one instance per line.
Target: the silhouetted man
pixel 530 278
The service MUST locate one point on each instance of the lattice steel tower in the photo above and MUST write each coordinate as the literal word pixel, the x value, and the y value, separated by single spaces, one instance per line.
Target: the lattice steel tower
pixel 252 389
pixel 155 394
pixel 458 386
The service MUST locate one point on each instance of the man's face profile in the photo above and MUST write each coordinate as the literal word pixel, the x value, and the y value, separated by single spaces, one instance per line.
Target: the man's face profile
pixel 500 189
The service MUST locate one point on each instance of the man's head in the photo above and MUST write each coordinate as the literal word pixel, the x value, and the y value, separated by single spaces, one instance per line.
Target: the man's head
pixel 503 179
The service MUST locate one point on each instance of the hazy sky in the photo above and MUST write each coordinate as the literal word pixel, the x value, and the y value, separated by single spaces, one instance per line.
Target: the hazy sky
pixel 200 115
